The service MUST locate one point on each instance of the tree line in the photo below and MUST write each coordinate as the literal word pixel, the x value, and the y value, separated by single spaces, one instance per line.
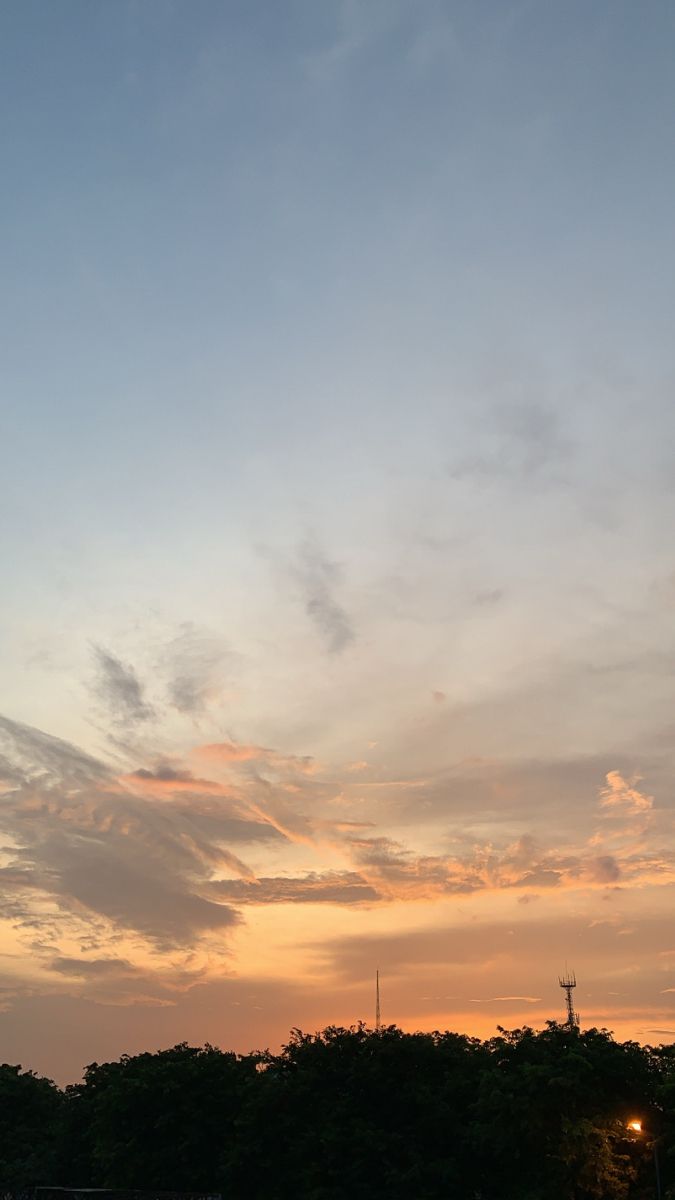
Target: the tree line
pixel 355 1114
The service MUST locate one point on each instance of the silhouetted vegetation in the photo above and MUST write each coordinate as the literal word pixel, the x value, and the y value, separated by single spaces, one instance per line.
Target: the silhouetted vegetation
pixel 357 1114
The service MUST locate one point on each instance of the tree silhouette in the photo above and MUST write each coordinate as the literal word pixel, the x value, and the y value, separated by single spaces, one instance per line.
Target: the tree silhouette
pixel 350 1114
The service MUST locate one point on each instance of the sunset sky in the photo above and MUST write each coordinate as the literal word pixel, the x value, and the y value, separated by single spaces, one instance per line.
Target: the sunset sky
pixel 337 482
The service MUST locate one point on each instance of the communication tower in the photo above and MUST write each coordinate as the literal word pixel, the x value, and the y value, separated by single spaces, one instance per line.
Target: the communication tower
pixel 567 982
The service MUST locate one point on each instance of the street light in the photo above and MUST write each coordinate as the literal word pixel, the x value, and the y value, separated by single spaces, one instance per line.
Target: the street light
pixel 635 1126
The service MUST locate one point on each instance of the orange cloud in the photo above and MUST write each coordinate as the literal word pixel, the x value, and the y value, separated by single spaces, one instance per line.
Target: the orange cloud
pixel 623 795
pixel 238 752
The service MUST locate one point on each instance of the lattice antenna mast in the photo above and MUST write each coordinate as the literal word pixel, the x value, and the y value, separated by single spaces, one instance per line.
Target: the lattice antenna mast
pixel 377 1000
pixel 568 981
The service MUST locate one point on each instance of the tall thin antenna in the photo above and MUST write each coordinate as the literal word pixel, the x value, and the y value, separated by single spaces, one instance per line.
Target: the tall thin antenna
pixel 377 1001
pixel 567 982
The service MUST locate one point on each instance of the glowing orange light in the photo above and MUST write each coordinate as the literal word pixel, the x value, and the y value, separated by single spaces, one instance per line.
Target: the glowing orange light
pixel 636 1126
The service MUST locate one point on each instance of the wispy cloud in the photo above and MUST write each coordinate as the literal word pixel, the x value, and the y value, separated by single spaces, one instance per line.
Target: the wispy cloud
pixel 319 579
pixel 497 999
pixel 89 853
pixel 30 754
pixel 621 794
pixel 329 887
pixel 119 688
pixel 197 661
pixel 233 753
pixel 516 441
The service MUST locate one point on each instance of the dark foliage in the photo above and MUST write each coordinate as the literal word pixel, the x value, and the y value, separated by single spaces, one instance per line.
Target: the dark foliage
pixel 356 1114
pixel 30 1109
pixel 164 1121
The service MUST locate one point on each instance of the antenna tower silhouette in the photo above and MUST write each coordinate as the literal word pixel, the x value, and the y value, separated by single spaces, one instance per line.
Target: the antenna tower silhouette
pixel 567 982
pixel 377 1001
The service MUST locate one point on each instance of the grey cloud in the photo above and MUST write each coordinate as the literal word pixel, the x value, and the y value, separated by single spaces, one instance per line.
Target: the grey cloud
pixel 606 869
pixel 8 773
pixel 535 434
pixel 30 753
pixel 516 441
pixel 522 792
pixel 119 688
pixel 196 661
pixel 102 854
pixel 111 875
pixel 460 946
pixel 117 982
pixel 165 774
pixel 319 579
pixel 92 967
pixel 488 597
pixel 353 957
pixel 125 888
pixel 330 887
pixel 217 825
pixel 206 806
pixel 542 877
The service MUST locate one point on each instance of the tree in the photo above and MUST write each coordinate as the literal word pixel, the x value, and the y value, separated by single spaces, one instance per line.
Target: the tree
pixel 159 1121
pixel 551 1112
pixel 29 1115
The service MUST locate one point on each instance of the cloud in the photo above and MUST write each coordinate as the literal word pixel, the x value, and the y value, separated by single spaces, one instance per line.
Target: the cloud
pixel 87 968
pixel 330 887
pixel 488 597
pixel 168 780
pixel 519 440
pixel 506 795
pixel 622 794
pixel 232 753
pixel 319 578
pixel 89 856
pixel 605 869
pixel 119 688
pixel 196 661
pixel 163 863
pixel 118 982
pixel 397 872
pixel 134 892
pixel 29 753
pixel 496 999
pixel 498 949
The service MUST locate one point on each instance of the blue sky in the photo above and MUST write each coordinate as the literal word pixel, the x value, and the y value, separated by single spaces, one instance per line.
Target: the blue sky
pixel 337 426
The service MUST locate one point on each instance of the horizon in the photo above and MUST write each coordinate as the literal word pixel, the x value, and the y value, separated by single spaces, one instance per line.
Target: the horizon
pixel 338 477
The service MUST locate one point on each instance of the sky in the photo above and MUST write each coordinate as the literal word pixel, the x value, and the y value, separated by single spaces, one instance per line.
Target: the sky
pixel 337 482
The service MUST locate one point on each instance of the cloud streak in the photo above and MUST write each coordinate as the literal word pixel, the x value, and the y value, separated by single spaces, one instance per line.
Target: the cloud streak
pixel 197 662
pixel 98 852
pixel 319 579
pixel 119 689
